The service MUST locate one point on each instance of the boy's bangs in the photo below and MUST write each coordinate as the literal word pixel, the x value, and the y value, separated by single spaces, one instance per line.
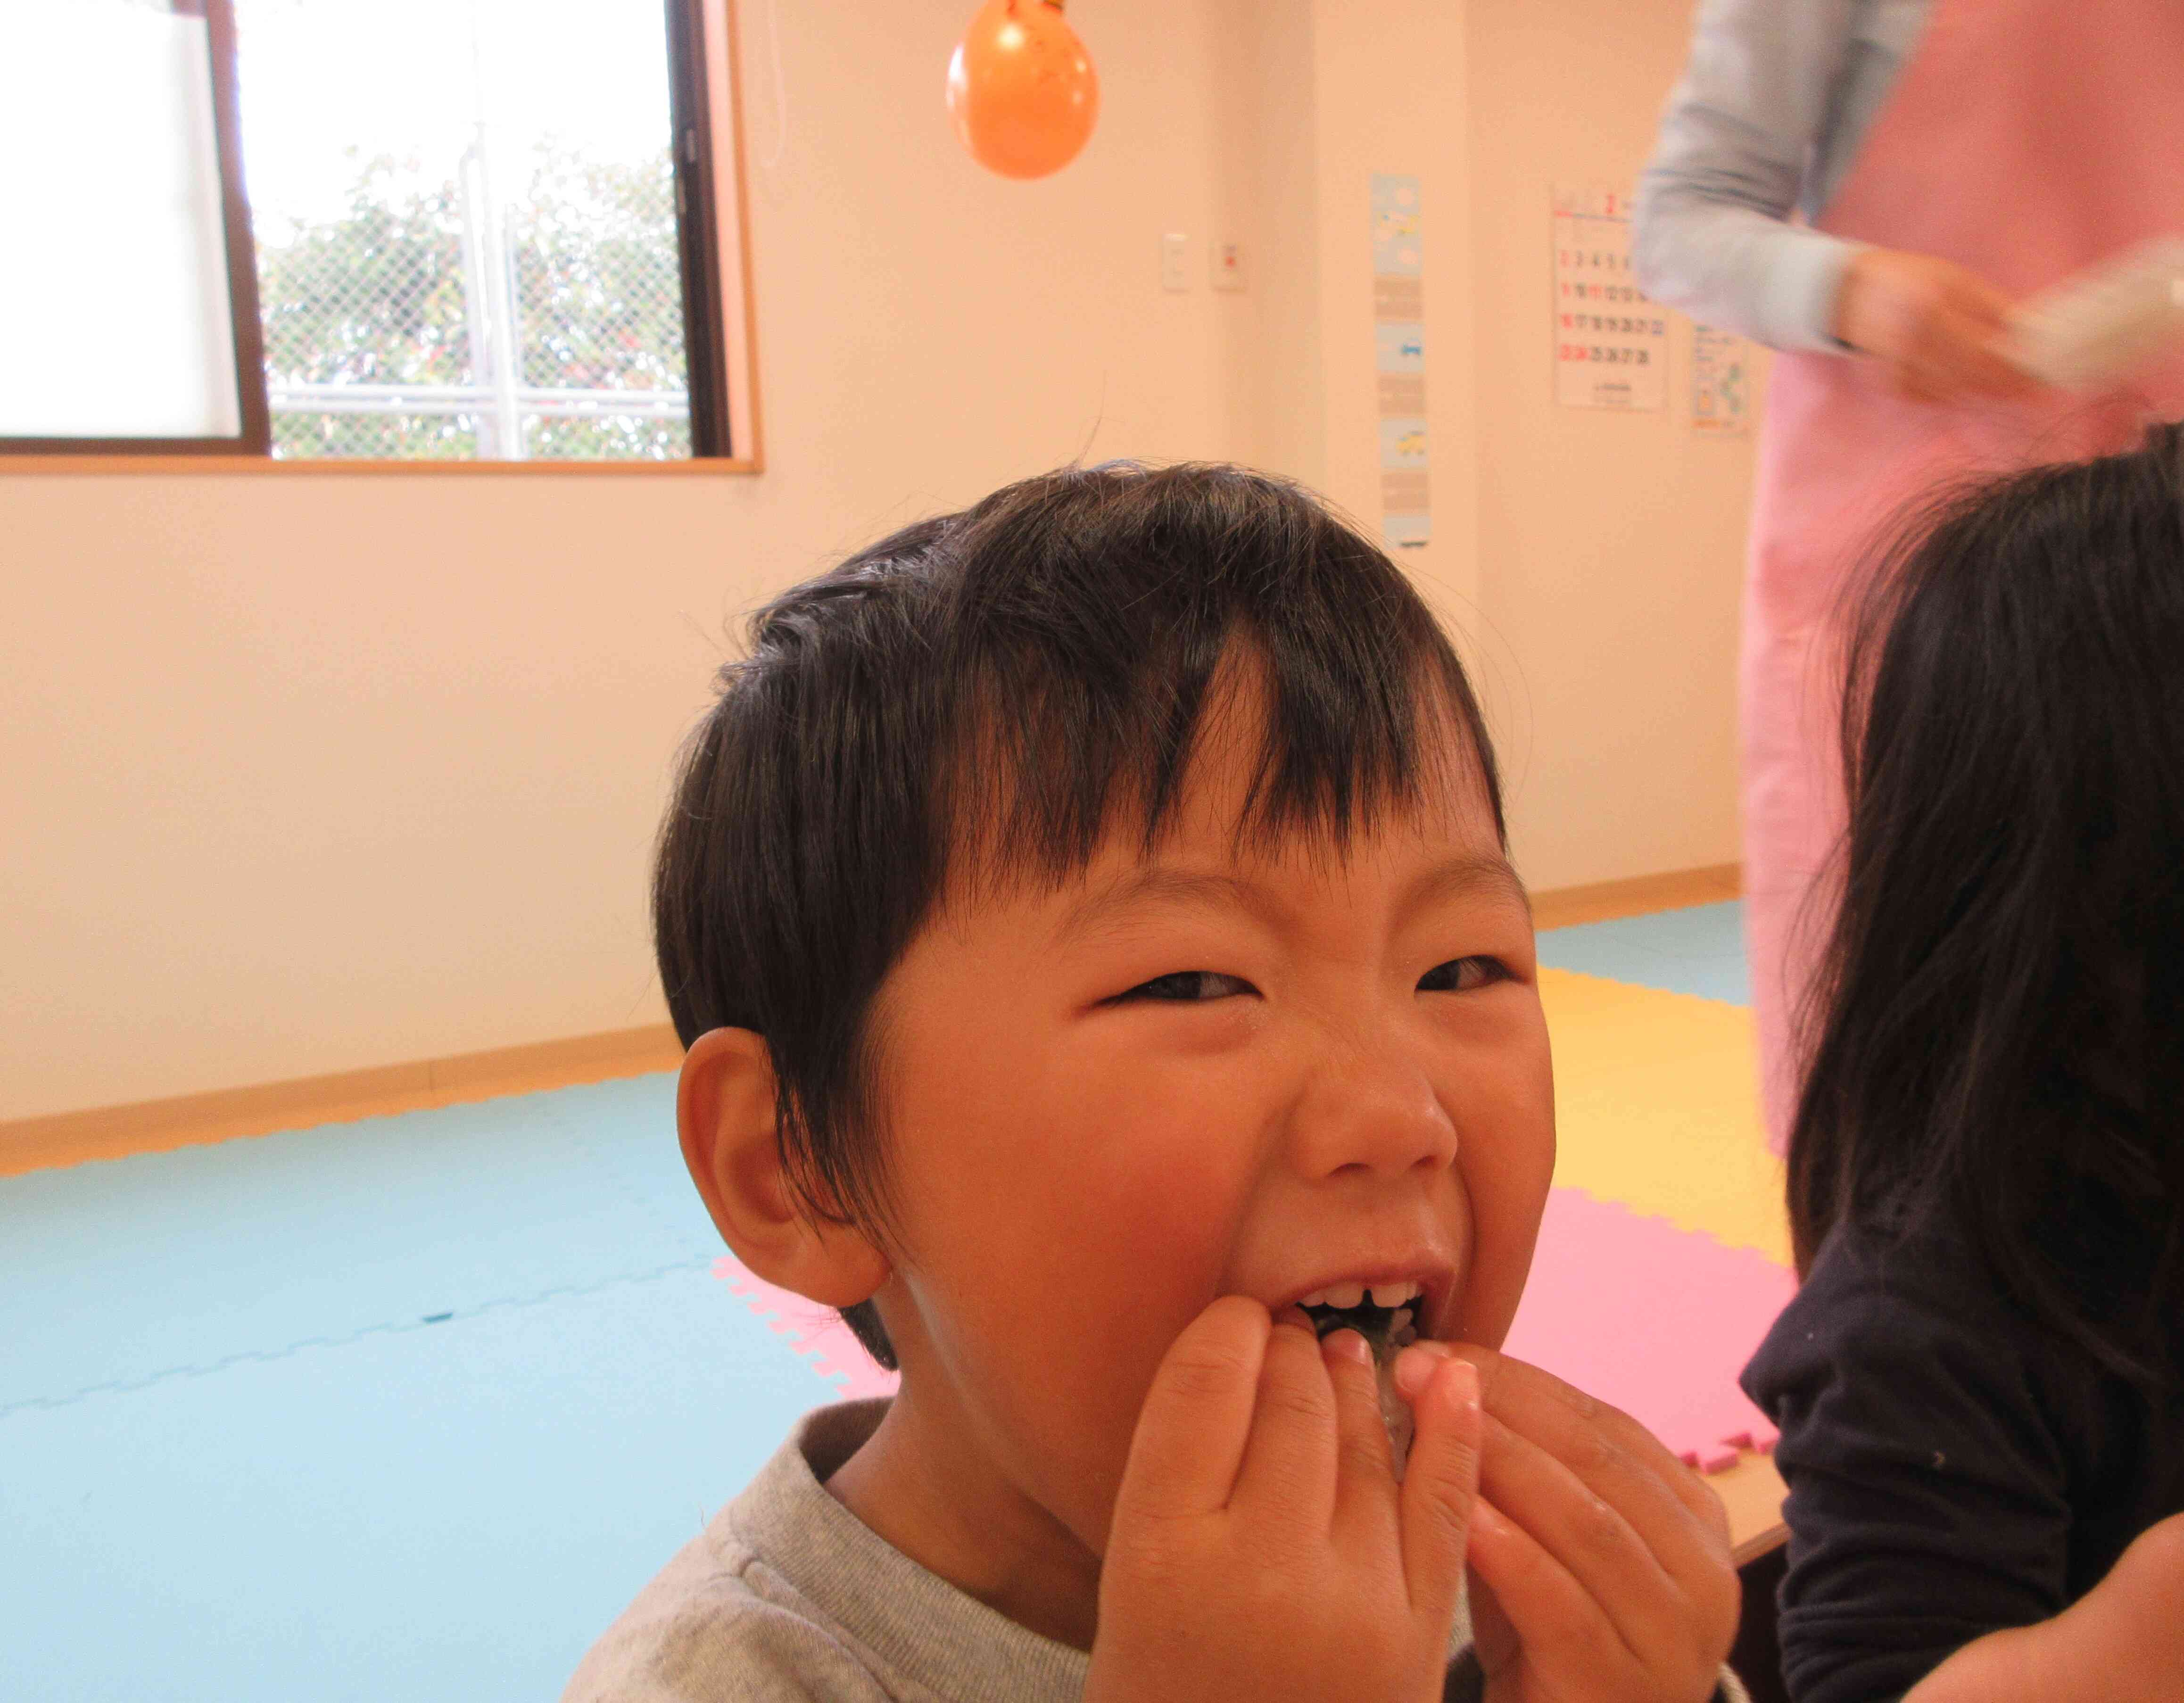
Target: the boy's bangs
pixel 1106 619
pixel 1046 770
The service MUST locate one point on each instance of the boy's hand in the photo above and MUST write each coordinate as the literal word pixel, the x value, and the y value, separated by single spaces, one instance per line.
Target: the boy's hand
pixel 1601 1564
pixel 2122 1642
pixel 1261 1549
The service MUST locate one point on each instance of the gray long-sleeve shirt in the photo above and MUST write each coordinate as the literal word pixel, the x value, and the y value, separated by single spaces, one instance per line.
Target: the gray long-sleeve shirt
pixel 1773 105
pixel 788 1598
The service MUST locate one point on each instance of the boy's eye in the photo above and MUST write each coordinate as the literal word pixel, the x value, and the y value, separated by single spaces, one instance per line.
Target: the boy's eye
pixel 1189 985
pixel 1462 975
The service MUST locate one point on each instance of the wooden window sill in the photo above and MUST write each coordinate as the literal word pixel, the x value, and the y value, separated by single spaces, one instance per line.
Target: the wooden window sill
pixel 142 465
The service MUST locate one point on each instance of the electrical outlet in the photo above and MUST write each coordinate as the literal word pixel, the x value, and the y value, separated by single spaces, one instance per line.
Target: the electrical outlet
pixel 1227 265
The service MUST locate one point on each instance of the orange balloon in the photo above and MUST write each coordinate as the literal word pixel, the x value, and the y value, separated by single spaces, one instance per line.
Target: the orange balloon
pixel 1020 88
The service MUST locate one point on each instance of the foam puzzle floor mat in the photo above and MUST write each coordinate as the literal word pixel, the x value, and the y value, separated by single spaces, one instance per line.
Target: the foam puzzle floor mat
pixel 412 1407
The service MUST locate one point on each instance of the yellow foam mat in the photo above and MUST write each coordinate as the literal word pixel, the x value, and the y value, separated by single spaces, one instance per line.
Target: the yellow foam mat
pixel 1656 1103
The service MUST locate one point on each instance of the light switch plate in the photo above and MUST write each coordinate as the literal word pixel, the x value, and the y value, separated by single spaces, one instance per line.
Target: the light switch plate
pixel 1175 261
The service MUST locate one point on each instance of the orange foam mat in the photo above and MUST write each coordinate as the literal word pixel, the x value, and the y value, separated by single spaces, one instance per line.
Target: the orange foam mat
pixel 1656 1106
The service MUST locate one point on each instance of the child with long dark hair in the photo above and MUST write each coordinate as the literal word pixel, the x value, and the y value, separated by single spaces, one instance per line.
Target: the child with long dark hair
pixel 1980 1383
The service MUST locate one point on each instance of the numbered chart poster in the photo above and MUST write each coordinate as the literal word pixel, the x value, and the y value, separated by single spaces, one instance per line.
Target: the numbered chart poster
pixel 1721 383
pixel 1610 344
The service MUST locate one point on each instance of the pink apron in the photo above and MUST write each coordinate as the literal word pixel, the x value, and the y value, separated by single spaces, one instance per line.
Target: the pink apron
pixel 2025 140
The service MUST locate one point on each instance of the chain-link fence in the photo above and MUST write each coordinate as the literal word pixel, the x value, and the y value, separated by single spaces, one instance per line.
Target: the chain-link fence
pixel 518 298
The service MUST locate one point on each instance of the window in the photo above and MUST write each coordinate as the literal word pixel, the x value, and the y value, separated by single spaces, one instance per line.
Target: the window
pixel 136 326
pixel 473 229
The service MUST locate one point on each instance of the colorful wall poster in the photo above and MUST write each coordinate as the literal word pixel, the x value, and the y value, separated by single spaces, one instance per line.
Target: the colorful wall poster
pixel 1398 349
pixel 1721 383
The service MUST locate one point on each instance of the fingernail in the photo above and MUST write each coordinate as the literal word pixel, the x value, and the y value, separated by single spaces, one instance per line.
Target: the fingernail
pixel 1461 1387
pixel 1423 1359
pixel 1349 1345
pixel 1294 1316
pixel 1414 1368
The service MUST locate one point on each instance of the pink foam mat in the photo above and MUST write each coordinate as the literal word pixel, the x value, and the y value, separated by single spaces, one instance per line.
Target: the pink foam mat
pixel 817 1333
pixel 1655 1320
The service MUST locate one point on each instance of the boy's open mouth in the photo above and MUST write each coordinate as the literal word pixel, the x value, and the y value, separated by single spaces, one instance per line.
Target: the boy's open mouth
pixel 1384 1314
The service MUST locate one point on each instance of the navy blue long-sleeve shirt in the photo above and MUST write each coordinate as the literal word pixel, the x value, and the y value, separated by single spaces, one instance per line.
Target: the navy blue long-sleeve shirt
pixel 1953 1468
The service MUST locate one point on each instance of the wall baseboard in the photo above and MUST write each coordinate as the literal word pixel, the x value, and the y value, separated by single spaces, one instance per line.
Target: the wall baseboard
pixel 71 1138
pixel 1604 901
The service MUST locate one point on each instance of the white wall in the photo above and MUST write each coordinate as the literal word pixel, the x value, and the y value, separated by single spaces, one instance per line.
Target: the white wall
pixel 1331 115
pixel 1589 562
pixel 1610 545
pixel 310 773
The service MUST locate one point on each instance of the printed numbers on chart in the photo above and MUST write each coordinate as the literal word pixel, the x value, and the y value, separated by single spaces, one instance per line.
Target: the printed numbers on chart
pixel 1606 322
pixel 1605 356
pixel 1604 292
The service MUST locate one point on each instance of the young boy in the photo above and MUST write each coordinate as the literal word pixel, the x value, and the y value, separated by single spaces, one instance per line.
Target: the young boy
pixel 1089 920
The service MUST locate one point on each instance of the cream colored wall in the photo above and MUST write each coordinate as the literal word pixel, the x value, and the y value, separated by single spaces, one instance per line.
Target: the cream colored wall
pixel 1610 545
pixel 308 774
pixel 1590 562
pixel 1349 91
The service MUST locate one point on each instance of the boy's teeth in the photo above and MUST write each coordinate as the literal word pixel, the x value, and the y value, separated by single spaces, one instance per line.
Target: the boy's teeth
pixel 1387 1296
pixel 1402 1318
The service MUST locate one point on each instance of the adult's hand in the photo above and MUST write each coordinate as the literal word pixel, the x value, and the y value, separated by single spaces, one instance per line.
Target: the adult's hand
pixel 1938 330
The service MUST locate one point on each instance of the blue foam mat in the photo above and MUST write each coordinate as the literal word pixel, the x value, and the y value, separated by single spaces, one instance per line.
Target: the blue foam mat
pixel 1699 949
pixel 448 1514
pixel 113 1274
pixel 407 1408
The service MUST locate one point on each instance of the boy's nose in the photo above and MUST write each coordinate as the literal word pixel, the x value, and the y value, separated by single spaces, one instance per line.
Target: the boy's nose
pixel 1370 1111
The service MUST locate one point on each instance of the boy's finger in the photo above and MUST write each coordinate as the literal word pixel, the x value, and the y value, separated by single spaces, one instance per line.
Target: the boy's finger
pixel 1440 1487
pixel 1365 1471
pixel 1679 1521
pixel 1287 1479
pixel 1586 1536
pixel 1197 1415
pixel 1575 1425
pixel 1692 1549
pixel 1544 1605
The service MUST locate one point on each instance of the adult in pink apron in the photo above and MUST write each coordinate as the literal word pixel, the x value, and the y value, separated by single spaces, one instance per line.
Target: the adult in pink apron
pixel 2024 140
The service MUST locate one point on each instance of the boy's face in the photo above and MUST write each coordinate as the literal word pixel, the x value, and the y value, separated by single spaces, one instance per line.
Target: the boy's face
pixel 1206 1073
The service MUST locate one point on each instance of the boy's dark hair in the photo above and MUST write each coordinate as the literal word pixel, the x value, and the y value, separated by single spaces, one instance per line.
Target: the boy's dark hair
pixel 1998 1033
pixel 991 692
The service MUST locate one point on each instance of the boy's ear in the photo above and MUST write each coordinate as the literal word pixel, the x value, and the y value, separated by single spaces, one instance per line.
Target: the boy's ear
pixel 724 1109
